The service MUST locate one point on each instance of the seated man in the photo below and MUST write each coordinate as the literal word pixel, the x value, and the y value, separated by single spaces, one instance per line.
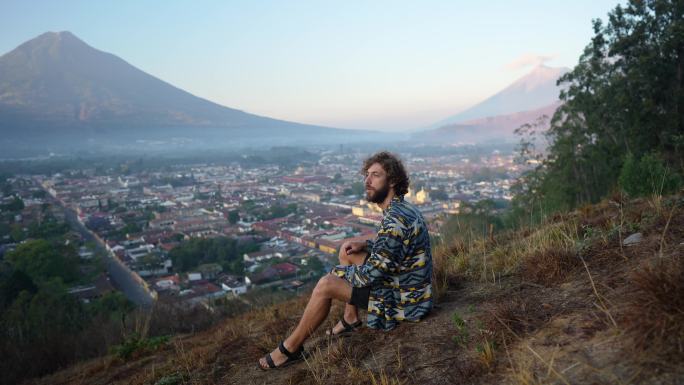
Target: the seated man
pixel 391 276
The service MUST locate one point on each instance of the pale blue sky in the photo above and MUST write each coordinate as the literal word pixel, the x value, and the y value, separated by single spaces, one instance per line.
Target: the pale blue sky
pixel 354 64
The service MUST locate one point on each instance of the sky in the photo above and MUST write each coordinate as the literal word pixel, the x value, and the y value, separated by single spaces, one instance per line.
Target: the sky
pixel 366 64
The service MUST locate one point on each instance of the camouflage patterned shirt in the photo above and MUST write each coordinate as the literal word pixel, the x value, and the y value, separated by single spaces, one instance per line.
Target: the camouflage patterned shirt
pixel 398 268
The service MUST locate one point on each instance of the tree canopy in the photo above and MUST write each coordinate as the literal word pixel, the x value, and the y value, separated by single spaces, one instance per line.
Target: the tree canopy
pixel 43 260
pixel 225 251
pixel 624 98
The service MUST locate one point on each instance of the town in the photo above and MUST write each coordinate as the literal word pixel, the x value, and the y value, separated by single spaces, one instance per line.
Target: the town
pixel 197 233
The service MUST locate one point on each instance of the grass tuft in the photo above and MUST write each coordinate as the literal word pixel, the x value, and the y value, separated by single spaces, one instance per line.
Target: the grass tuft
pixel 462 334
pixel 486 352
pixel 550 266
pixel 654 312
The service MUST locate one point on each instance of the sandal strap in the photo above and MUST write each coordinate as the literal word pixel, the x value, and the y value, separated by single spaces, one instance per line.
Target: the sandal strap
pixel 350 327
pixel 347 326
pixel 269 361
pixel 286 352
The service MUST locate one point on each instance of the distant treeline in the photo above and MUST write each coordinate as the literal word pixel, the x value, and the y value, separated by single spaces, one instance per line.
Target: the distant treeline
pixel 132 163
pixel 284 156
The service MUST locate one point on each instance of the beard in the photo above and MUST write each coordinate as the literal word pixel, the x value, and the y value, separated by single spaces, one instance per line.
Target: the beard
pixel 379 195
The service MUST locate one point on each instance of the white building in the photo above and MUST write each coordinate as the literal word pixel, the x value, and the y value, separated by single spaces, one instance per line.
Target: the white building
pixel 234 284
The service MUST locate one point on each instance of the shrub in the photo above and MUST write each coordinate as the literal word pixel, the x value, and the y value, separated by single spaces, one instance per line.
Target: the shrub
pixel 137 345
pixel 646 176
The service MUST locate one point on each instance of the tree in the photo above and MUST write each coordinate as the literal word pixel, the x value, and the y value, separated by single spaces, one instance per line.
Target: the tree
pixel 278 211
pixel 37 330
pixel 43 260
pixel 233 217
pixel 39 194
pixel 150 262
pixel 5 185
pixel 314 264
pixel 5 230
pixel 16 205
pixel 111 204
pixel 528 149
pixel 112 304
pixel 439 195
pixel 222 250
pixel 13 282
pixel 626 95
pixel 47 229
pixel 476 220
pixel 357 188
pixel 130 228
pixel 17 233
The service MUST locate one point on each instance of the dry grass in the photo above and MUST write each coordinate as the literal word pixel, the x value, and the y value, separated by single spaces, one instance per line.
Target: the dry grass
pixel 488 261
pixel 515 316
pixel 549 267
pixel 384 379
pixel 487 353
pixel 654 309
pixel 440 271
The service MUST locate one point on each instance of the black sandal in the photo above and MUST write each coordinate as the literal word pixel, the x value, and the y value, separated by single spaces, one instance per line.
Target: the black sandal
pixel 348 328
pixel 292 358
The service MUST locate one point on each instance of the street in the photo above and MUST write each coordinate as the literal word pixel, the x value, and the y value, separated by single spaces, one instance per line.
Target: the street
pixel 119 274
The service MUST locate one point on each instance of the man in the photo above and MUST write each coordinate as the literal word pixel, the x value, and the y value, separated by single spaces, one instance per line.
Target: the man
pixel 390 276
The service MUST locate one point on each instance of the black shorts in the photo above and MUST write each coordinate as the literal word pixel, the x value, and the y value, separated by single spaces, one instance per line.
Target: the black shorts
pixel 359 297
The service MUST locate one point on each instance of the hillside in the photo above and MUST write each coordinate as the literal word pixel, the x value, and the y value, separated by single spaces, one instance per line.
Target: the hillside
pixel 575 301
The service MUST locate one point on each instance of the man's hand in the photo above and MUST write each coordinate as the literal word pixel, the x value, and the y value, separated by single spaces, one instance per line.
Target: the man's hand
pixel 351 247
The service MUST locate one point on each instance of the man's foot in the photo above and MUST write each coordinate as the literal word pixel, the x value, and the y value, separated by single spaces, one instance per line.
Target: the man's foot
pixel 281 357
pixel 344 327
pixel 277 357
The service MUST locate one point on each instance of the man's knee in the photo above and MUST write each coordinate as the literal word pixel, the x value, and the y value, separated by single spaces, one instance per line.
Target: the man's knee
pixel 324 285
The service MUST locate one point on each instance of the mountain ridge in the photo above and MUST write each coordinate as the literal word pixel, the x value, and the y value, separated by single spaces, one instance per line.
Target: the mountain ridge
pixel 56 88
pixel 54 54
pixel 534 90
pixel 490 128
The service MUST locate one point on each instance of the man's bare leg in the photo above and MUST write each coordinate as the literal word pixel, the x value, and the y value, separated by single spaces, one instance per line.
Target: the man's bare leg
pixel 328 288
pixel 351 313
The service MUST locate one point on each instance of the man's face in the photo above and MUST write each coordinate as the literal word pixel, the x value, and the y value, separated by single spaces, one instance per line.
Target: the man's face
pixel 377 186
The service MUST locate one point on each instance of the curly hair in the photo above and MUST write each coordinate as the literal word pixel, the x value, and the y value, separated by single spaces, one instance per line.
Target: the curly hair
pixel 396 173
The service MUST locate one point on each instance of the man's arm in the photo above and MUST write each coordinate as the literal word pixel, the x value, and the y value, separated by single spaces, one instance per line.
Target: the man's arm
pixel 386 253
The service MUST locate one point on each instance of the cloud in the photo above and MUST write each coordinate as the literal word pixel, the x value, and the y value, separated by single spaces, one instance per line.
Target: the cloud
pixel 527 60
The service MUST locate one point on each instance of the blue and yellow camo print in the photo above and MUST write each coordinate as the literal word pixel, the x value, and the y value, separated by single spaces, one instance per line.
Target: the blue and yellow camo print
pixel 398 268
